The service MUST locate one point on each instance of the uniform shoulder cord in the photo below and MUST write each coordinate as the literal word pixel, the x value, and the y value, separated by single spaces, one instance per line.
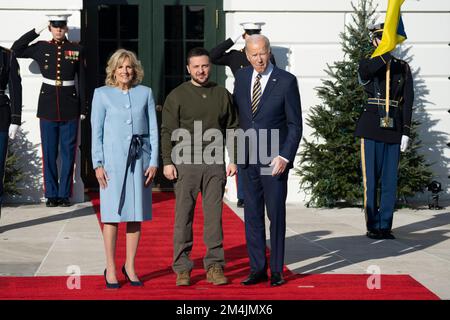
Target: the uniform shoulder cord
pixel 388 87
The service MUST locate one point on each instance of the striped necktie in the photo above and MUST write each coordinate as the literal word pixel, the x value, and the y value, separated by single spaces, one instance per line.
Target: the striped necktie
pixel 256 95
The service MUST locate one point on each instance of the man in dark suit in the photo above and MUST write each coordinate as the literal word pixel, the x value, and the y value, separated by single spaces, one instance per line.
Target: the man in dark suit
pixel 236 60
pixel 268 101
pixel 60 104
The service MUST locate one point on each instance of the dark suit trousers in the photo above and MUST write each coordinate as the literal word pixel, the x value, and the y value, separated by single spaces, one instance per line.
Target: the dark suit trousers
pixel 264 191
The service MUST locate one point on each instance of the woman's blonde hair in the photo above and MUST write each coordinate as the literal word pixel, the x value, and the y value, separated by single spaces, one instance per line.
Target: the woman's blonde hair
pixel 116 60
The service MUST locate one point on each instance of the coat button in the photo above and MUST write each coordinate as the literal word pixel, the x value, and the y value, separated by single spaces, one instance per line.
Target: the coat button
pixel 127 106
pixel 128 121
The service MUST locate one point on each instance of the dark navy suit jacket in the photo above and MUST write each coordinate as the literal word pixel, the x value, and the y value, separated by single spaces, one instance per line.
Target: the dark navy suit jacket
pixel 279 108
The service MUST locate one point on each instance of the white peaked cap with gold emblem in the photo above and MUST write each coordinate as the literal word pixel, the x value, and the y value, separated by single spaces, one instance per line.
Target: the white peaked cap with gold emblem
pixel 252 26
pixel 58 17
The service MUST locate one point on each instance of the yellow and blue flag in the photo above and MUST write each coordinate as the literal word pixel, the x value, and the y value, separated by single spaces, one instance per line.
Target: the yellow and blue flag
pixel 393 31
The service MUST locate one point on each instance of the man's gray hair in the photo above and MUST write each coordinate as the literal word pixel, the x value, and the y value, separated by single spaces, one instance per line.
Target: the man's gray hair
pixel 254 38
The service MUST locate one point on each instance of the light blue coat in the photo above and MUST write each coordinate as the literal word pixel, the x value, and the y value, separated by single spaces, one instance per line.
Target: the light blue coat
pixel 115 117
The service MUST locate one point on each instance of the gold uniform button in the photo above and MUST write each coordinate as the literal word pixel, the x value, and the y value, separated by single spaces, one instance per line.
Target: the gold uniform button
pixel 59 53
pixel 59 65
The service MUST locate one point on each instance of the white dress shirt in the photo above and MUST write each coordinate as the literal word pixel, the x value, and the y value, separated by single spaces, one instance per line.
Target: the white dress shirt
pixel 264 79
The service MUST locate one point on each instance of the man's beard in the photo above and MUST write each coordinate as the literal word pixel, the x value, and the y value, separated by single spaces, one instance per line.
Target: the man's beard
pixel 195 79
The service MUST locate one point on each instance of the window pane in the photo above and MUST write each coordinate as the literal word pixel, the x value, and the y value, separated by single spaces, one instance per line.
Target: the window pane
pixel 173 58
pixel 195 19
pixel 129 22
pixel 131 45
pixel 105 50
pixel 107 21
pixel 173 19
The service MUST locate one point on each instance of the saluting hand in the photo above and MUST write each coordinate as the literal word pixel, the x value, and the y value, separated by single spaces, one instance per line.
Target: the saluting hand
pixel 102 177
pixel 150 173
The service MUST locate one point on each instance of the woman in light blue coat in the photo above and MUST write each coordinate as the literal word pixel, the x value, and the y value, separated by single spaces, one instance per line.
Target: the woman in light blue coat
pixel 124 156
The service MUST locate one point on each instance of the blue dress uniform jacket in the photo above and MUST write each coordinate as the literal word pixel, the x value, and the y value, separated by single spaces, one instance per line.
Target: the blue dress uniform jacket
pixel 235 59
pixel 116 116
pixel 372 74
pixel 10 107
pixel 58 61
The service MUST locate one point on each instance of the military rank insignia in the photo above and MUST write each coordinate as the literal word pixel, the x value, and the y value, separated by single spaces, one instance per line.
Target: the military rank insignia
pixel 71 55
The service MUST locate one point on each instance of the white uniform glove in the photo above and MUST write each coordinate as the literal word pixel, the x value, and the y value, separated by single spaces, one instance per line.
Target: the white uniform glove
pixel 237 36
pixel 41 27
pixel 12 131
pixel 404 144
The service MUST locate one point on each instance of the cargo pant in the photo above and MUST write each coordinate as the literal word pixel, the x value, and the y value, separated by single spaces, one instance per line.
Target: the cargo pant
pixel 209 180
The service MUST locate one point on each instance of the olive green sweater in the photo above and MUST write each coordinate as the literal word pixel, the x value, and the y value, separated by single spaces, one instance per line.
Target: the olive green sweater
pixel 210 104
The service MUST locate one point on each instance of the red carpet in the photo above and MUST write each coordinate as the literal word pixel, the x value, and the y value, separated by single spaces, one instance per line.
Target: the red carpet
pixel 154 267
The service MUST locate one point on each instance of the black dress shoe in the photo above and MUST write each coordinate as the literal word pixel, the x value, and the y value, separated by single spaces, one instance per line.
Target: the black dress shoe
pixel 255 277
pixel 133 283
pixel 276 279
pixel 387 234
pixel 65 202
pixel 52 202
pixel 374 234
pixel 240 203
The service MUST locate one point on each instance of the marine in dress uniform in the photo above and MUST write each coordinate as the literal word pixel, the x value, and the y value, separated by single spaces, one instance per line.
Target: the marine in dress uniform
pixel 384 128
pixel 60 104
pixel 236 60
pixel 10 106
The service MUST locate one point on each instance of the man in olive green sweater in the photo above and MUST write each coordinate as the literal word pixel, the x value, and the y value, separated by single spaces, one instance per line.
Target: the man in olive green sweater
pixel 196 165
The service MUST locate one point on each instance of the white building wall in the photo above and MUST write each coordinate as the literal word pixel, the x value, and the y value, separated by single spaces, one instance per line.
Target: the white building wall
pixel 18 17
pixel 305 38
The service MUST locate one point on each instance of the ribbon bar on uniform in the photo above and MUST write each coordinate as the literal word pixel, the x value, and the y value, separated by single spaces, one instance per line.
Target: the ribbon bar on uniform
pixel 59 83
pixel 382 102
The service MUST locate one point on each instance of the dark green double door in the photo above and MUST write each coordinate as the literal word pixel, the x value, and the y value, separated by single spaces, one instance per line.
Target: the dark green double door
pixel 161 32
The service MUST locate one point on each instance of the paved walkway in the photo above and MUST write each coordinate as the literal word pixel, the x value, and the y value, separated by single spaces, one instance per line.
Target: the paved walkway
pixel 40 241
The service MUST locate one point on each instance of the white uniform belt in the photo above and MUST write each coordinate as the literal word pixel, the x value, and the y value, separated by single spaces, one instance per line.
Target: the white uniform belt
pixel 59 83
